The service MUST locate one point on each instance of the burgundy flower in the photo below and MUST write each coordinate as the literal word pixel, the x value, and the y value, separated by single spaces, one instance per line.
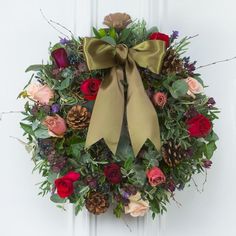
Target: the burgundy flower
pixel 207 163
pixel 60 57
pixel 113 173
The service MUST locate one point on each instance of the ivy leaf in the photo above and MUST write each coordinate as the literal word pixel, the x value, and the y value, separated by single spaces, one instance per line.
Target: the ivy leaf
pixel 109 40
pixel 179 88
pixel 55 198
pixel 209 149
pixel 34 68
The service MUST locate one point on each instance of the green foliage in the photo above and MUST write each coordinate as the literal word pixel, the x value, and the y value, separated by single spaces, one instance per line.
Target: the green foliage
pixel 90 163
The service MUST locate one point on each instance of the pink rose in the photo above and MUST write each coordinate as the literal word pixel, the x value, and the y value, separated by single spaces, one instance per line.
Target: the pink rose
pixel 137 206
pixel 40 93
pixel 159 99
pixel 56 125
pixel 194 87
pixel 155 177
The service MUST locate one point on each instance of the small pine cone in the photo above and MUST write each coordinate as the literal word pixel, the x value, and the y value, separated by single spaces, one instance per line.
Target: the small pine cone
pixel 78 117
pixel 97 203
pixel 172 64
pixel 172 153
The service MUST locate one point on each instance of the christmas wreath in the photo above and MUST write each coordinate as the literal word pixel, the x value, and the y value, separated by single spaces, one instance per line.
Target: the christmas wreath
pixel 119 119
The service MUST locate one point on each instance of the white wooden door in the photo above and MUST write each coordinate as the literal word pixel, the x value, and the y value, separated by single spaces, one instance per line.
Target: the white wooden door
pixel 24 40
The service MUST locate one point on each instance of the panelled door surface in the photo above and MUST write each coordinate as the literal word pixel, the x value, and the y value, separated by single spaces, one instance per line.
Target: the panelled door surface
pixel 25 37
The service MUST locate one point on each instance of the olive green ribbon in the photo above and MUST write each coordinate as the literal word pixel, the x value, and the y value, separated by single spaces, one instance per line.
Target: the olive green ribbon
pixel 108 112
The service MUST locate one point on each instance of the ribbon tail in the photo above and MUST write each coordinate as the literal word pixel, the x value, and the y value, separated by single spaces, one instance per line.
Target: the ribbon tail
pixel 108 111
pixel 141 116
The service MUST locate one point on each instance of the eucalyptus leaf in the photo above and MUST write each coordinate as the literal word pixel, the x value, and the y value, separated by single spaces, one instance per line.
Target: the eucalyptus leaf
pixel 179 88
pixel 55 198
pixel 41 132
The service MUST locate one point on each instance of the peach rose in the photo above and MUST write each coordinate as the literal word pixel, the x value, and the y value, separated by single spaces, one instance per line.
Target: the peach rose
pixel 159 99
pixel 194 87
pixel 40 93
pixel 137 206
pixel 56 125
pixel 155 177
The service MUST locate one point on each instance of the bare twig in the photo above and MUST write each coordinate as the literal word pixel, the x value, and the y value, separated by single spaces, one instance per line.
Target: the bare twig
pixel 193 36
pixel 205 180
pixel 216 62
pixel 8 112
pixel 62 26
pixel 176 202
pixel 50 23
pixel 196 186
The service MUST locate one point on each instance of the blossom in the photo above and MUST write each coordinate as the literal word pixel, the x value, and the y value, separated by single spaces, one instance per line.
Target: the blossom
pixel 137 206
pixel 160 36
pixel 56 125
pixel 40 93
pixel 194 87
pixel 159 99
pixel 155 176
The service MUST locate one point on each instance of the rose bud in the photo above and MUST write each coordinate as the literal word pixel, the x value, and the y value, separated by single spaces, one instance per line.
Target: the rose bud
pixel 160 36
pixel 56 125
pixel 90 88
pixel 199 126
pixel 155 177
pixel 60 57
pixel 159 99
pixel 194 87
pixel 40 93
pixel 65 184
pixel 137 206
pixel 113 173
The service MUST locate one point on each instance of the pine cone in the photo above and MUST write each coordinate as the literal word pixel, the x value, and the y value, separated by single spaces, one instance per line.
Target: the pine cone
pixel 78 117
pixel 172 153
pixel 172 64
pixel 97 203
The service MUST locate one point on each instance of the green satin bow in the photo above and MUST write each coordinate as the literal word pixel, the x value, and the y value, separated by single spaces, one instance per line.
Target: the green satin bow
pixel 108 111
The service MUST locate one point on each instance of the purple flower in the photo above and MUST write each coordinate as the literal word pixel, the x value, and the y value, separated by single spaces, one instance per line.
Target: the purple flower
pixel 64 41
pixel 55 108
pixel 125 195
pixel 174 35
pixel 207 163
pixel 171 186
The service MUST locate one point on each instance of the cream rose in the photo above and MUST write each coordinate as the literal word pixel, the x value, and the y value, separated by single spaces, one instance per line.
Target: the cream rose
pixel 137 206
pixel 40 93
pixel 194 87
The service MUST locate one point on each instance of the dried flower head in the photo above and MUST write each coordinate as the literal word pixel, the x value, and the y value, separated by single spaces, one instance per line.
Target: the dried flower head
pixel 117 20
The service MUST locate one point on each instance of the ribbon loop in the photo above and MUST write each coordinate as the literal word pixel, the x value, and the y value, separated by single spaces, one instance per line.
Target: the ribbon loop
pixel 108 111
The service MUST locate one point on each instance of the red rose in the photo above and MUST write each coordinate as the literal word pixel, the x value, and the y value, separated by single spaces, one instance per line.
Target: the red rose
pixel 113 173
pixel 199 126
pixel 64 185
pixel 90 87
pixel 60 57
pixel 162 37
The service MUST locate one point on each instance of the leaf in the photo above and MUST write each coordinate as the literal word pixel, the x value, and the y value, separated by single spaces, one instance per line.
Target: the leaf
pixel 51 177
pixel 124 35
pixel 109 40
pixel 41 132
pixel 102 32
pixel 96 33
pixel 75 149
pixel 27 128
pixel 64 84
pixel 179 88
pixel 112 33
pixel 209 149
pixel 55 198
pixel 34 68
pixel 152 30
